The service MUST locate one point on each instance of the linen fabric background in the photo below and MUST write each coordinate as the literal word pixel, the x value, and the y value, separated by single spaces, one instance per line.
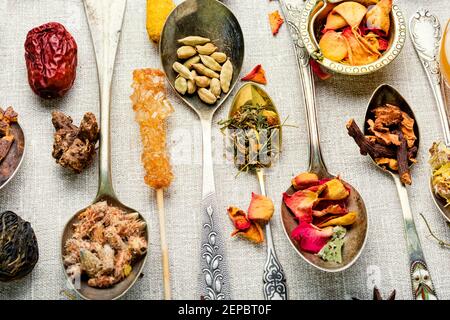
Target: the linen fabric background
pixel 47 195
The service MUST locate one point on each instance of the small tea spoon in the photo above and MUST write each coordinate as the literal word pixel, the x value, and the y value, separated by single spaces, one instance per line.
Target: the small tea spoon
pixel 273 278
pixel 105 19
pixel 357 235
pixel 13 160
pixel 422 286
pixel 426 37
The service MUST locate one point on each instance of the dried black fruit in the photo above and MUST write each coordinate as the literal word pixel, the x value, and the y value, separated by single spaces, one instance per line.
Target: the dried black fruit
pixel 18 247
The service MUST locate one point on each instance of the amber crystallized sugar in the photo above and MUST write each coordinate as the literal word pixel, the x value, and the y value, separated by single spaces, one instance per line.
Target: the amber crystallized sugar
pixel 151 109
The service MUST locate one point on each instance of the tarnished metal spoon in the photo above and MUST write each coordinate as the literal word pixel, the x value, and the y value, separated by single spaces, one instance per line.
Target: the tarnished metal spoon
pixel 273 277
pixel 426 37
pixel 11 163
pixel 105 19
pixel 422 286
pixel 212 19
pixel 357 234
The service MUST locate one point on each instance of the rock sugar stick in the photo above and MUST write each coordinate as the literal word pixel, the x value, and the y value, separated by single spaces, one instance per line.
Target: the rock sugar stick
pixel 152 109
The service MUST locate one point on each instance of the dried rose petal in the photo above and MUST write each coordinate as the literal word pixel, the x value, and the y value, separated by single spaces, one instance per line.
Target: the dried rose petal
pixel 257 75
pixel 332 209
pixel 318 71
pixel 305 180
pixel 261 208
pixel 311 238
pixel 254 233
pixel 275 21
pixel 239 219
pixel 345 220
pixel 335 190
pixel 302 202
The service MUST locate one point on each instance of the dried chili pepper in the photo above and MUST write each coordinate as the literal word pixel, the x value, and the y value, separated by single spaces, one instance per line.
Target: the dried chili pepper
pixel 51 59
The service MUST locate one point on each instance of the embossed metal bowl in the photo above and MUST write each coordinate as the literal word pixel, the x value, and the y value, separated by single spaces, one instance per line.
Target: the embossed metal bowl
pixel 312 18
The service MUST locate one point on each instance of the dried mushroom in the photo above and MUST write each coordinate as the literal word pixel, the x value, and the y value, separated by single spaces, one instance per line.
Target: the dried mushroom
pixel 19 251
pixel 74 147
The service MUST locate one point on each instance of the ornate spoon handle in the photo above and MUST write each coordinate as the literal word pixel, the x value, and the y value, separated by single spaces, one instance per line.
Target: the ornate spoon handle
pixel 273 278
pixel 426 36
pixel 422 286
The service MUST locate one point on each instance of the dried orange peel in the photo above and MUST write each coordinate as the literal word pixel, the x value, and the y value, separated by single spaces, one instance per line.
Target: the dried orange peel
pixel 276 21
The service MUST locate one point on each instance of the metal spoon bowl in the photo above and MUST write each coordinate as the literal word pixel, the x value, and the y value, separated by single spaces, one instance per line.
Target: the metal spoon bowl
pixel 13 160
pixel 105 18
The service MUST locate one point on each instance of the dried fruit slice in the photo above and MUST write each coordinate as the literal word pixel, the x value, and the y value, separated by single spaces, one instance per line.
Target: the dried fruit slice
pixel 305 180
pixel 276 21
pixel 378 17
pixel 311 238
pixel 261 208
pixel 358 51
pixel 257 75
pixel 333 46
pixel 352 12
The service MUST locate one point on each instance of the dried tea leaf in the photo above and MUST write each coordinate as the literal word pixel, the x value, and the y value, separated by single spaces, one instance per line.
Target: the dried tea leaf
pixel 261 208
pixel 257 75
pixel 333 46
pixel 275 21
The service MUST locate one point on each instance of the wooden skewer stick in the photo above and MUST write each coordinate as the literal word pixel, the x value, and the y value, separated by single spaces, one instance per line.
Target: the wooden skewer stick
pixel 164 247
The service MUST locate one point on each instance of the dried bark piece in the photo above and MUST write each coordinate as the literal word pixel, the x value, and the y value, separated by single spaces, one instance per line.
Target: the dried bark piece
pixel 366 146
pixel 383 135
pixel 402 159
pixel 387 115
pixel 74 147
pixel 5 146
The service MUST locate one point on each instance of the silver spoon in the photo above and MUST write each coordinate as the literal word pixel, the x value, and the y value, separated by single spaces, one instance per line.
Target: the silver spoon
pixel 212 19
pixel 422 286
pixel 357 235
pixel 13 160
pixel 273 278
pixel 105 19
pixel 426 37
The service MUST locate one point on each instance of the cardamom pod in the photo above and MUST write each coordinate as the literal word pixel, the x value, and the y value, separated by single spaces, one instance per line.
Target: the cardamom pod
pixel 185 52
pixel 201 69
pixel 215 88
pixel 207 49
pixel 220 57
pixel 191 86
pixel 182 70
pixel 206 96
pixel 181 85
pixel 210 63
pixel 188 63
pixel 226 75
pixel 202 81
pixel 193 40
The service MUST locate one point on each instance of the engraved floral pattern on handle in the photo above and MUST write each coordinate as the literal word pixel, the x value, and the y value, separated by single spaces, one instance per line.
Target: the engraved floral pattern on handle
pixel 212 258
pixel 274 279
pixel 422 286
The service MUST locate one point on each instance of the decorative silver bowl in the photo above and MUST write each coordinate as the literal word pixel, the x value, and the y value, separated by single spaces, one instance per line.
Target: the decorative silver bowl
pixel 313 15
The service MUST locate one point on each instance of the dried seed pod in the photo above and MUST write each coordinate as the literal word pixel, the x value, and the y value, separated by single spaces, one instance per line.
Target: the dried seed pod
pixel 193 40
pixel 185 52
pixel 181 85
pixel 18 247
pixel 210 63
pixel 226 75
pixel 206 96
pixel 215 88
pixel 201 69
pixel 207 49
pixel 220 57
pixel 182 70
pixel 202 81
pixel 191 61
pixel 191 86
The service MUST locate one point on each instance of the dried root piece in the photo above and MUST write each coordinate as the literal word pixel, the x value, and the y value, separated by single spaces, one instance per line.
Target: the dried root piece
pixel 74 147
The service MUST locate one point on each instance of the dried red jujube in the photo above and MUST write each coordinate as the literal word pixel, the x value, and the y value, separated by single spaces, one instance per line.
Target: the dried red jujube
pixel 51 58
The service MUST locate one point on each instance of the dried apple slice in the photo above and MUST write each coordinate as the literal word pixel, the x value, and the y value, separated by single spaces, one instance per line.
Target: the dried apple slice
pixel 261 208
pixel 378 17
pixel 333 46
pixel 352 12
pixel 311 238
pixel 305 180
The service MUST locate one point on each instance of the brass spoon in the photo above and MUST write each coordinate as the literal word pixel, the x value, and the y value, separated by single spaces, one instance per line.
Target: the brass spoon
pixel 105 19
pixel 425 30
pixel 422 286
pixel 13 160
pixel 357 234
pixel 273 278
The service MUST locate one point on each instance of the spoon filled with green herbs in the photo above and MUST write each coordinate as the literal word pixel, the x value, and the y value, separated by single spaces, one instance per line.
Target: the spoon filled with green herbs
pixel 253 139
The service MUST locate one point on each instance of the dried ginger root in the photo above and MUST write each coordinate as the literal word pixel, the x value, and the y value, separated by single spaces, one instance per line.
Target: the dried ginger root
pixel 152 109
